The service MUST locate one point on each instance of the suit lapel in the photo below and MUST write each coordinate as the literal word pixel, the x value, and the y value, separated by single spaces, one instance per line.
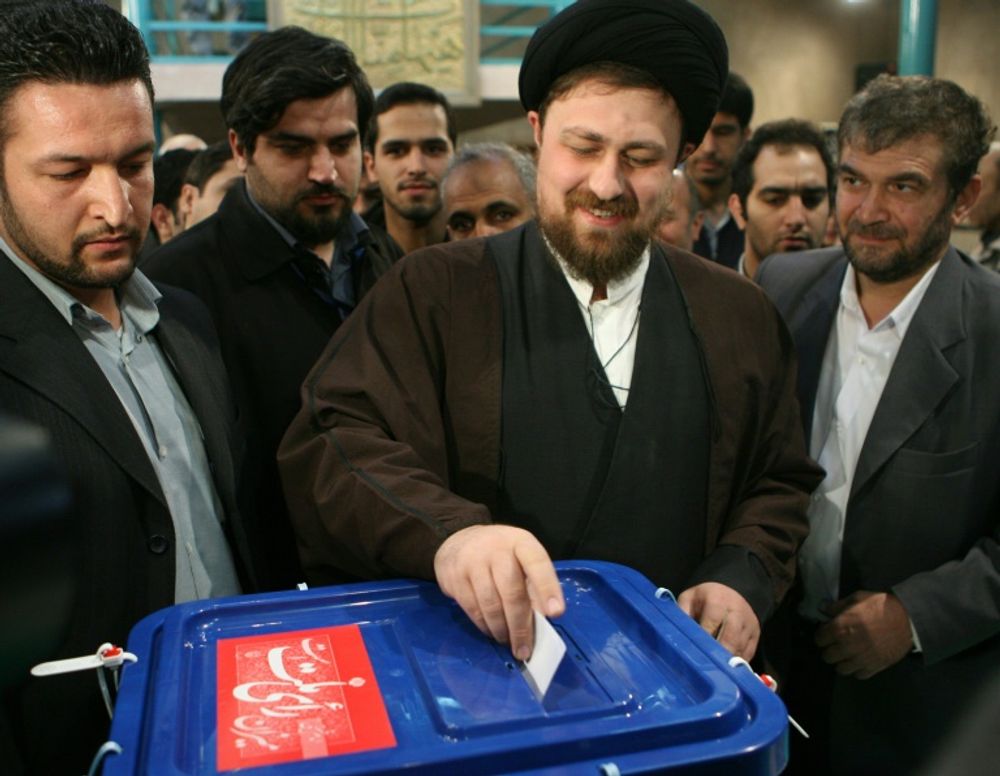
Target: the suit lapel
pixel 922 375
pixel 188 359
pixel 40 350
pixel 811 324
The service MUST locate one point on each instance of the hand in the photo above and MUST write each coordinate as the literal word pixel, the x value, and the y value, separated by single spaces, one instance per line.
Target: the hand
pixel 868 633
pixel 497 574
pixel 725 614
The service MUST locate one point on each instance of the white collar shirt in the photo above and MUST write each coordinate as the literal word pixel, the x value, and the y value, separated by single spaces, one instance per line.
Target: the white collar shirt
pixel 613 323
pixel 856 366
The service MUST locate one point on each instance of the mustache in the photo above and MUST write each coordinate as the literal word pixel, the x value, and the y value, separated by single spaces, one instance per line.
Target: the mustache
pixel 875 231
pixel 625 206
pixel 129 233
pixel 324 190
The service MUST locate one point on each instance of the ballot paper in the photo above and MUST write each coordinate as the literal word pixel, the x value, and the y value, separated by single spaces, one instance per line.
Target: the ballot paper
pixel 545 658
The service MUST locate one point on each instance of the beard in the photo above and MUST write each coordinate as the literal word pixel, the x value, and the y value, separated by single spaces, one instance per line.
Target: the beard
pixel 72 270
pixel 319 225
pixel 595 255
pixel 903 262
pixel 311 225
pixel 418 212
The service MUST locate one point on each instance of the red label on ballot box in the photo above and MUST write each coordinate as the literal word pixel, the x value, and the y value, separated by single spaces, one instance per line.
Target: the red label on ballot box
pixel 295 696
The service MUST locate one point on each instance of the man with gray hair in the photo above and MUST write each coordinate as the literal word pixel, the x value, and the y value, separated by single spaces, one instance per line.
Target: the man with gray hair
pixel 488 188
pixel 897 619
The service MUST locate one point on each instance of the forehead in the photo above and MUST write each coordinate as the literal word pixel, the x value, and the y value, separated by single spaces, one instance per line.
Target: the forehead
pixel 722 119
pixel 486 178
pixel 412 121
pixel 88 121
pixel 922 155
pixel 778 165
pixel 620 115
pixel 333 114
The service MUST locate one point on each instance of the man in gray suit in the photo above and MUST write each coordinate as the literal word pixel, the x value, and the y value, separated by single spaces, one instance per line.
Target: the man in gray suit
pixel 898 614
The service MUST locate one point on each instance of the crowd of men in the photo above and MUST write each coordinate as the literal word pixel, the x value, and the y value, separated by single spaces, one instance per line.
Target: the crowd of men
pixel 743 361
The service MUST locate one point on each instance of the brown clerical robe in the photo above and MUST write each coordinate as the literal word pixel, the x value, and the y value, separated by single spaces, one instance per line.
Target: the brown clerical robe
pixel 397 445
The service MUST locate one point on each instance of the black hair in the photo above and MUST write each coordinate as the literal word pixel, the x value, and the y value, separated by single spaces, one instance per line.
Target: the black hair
pixel 68 41
pixel 279 67
pixel 892 109
pixel 207 162
pixel 785 134
pixel 737 100
pixel 409 93
pixel 168 176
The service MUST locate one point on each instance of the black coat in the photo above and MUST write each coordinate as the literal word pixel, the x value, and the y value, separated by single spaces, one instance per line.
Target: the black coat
pixel 272 327
pixel 125 555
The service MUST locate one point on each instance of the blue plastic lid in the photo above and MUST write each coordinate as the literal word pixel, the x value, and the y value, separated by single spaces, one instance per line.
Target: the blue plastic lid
pixel 642 688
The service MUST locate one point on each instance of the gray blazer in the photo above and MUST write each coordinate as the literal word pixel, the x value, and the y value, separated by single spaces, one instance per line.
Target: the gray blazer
pixel 923 519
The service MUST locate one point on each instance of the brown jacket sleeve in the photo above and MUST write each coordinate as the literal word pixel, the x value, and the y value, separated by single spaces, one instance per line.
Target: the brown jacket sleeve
pixel 370 465
pixel 761 475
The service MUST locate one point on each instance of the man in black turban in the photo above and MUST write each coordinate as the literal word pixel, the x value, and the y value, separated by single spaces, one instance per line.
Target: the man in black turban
pixel 570 388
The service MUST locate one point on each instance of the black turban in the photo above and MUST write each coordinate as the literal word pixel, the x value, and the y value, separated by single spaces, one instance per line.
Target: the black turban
pixel 675 41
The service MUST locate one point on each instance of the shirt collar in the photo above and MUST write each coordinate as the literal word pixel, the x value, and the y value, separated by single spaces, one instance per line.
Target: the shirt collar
pixel 137 296
pixel 901 315
pixel 617 290
pixel 348 237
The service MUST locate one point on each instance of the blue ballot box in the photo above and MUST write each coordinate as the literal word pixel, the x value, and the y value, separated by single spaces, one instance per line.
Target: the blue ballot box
pixel 378 678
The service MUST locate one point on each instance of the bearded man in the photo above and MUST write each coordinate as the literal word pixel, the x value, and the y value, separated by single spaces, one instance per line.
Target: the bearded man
pixel 284 260
pixel 569 388
pixel 897 619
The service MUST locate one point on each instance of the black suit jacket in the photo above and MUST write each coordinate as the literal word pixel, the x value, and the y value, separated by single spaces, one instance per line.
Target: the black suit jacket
pixel 923 518
pixel 272 327
pixel 125 559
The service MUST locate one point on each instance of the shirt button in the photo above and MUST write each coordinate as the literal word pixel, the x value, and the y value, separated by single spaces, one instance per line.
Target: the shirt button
pixel 162 452
pixel 158 544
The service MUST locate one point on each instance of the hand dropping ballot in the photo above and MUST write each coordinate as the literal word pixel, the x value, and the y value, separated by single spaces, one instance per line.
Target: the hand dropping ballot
pixel 548 653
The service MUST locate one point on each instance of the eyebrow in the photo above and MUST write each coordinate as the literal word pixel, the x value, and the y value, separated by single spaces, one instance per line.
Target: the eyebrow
pixel 597 137
pixel 80 159
pixel 903 177
pixel 291 137
pixel 794 189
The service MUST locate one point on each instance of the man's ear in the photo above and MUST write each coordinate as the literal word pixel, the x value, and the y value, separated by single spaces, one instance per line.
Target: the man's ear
pixel 966 199
pixel 239 151
pixel 536 126
pixel 736 208
pixel 369 162
pixel 185 205
pixel 163 222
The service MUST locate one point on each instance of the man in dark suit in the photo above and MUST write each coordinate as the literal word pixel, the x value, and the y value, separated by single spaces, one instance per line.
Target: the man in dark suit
pixel 285 259
pixel 125 378
pixel 898 620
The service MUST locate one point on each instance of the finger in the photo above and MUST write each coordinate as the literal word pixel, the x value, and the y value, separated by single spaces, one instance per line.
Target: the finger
pixel 836 653
pixel 490 604
pixel 825 635
pixel 741 636
pixel 689 603
pixel 835 608
pixel 509 581
pixel 540 577
pixel 465 597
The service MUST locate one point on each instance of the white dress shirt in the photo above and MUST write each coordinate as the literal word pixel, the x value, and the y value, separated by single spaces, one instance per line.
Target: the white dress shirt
pixel 613 323
pixel 856 366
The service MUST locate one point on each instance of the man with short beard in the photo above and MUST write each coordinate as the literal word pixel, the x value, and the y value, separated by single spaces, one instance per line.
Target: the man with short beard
pixel 410 140
pixel 569 388
pixel 897 618
pixel 124 377
pixel 284 260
